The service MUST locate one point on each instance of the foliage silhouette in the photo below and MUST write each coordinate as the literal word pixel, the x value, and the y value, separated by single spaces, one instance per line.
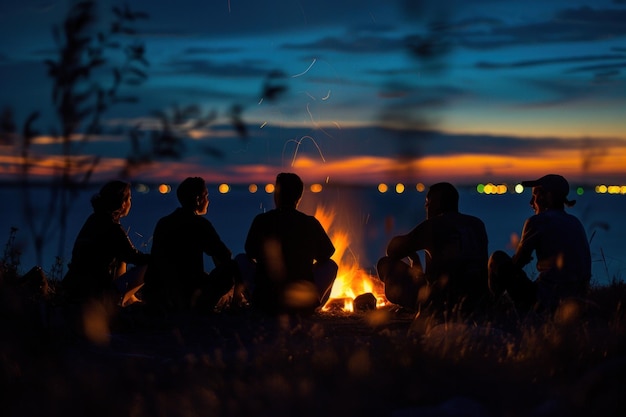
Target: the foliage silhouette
pixel 81 94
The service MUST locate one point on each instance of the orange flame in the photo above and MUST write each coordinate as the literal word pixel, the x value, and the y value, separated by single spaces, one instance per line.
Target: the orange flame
pixel 351 280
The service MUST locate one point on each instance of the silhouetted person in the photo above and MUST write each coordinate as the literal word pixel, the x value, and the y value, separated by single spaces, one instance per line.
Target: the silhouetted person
pixel 455 253
pixel 102 251
pixel 287 262
pixel 176 279
pixel 560 245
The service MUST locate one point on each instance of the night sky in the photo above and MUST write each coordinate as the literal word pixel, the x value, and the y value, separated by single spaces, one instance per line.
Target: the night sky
pixel 350 91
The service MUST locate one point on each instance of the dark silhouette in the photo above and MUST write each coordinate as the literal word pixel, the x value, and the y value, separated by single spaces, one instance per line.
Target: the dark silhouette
pixel 176 279
pixel 102 250
pixel 87 48
pixel 455 251
pixel 560 245
pixel 287 263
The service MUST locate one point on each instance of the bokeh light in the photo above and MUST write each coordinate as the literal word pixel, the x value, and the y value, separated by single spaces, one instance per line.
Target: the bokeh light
pixel 142 188
pixel 223 188
pixel 399 188
pixel 316 188
pixel 269 188
pixel 420 187
pixel 253 188
pixel 382 188
pixel 164 188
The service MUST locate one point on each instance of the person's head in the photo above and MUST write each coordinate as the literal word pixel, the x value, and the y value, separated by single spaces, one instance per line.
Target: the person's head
pixel 441 197
pixel 288 190
pixel 193 195
pixel 113 198
pixel 549 192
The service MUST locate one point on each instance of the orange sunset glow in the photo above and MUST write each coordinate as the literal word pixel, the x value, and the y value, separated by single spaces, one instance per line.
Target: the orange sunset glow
pixel 460 168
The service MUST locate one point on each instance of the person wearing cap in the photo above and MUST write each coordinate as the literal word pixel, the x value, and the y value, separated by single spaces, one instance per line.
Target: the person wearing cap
pixel 455 249
pixel 176 280
pixel 561 247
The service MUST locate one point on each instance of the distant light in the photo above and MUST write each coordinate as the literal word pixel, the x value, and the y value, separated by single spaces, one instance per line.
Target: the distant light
pixel 164 188
pixel 501 189
pixel 601 189
pixel 223 188
pixel 253 188
pixel 580 191
pixel 316 188
pixel 420 187
pixel 480 188
pixel 269 188
pixel 519 188
pixel 623 189
pixel 399 188
pixel 490 189
pixel 614 189
pixel 142 188
pixel 382 188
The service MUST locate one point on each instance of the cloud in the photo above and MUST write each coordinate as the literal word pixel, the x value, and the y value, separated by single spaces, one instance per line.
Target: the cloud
pixel 600 68
pixel 210 51
pixel 547 61
pixel 355 45
pixel 344 152
pixel 208 68
pixel 566 25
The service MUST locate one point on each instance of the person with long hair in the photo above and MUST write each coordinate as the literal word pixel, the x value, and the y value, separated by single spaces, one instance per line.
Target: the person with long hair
pixel 102 251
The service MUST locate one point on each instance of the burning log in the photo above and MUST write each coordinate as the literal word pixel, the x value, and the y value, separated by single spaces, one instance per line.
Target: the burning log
pixel 339 304
pixel 365 302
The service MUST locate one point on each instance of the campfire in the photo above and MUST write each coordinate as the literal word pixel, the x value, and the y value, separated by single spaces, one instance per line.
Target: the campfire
pixel 353 285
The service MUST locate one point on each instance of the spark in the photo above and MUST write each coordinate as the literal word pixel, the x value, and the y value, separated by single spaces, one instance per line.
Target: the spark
pixel 298 143
pixel 263 125
pixel 309 94
pixel 228 6
pixel 327 96
pixel 261 101
pixel 314 122
pixel 306 70
pixel 337 124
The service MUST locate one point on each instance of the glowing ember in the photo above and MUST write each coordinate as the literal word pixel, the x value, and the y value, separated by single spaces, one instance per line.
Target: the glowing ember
pixel 351 280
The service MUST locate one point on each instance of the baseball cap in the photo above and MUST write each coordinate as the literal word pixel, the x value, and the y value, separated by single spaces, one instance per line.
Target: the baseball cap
pixel 556 184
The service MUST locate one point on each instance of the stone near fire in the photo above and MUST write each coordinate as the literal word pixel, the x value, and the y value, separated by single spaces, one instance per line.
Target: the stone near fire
pixel 365 302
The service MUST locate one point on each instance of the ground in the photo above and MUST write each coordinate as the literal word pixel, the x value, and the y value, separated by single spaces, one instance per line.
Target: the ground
pixel 383 362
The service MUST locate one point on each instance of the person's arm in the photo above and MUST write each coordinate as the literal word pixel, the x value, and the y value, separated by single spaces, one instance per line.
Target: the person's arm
pixel 325 247
pixel 213 244
pixel 527 244
pixel 126 251
pixel 404 246
pixel 252 245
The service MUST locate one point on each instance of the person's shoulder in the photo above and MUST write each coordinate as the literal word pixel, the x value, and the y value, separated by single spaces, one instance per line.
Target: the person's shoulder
pixel 265 215
pixel 471 218
pixel 170 217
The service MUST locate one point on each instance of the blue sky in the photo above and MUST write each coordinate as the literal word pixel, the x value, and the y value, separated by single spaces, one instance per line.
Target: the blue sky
pixel 500 89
